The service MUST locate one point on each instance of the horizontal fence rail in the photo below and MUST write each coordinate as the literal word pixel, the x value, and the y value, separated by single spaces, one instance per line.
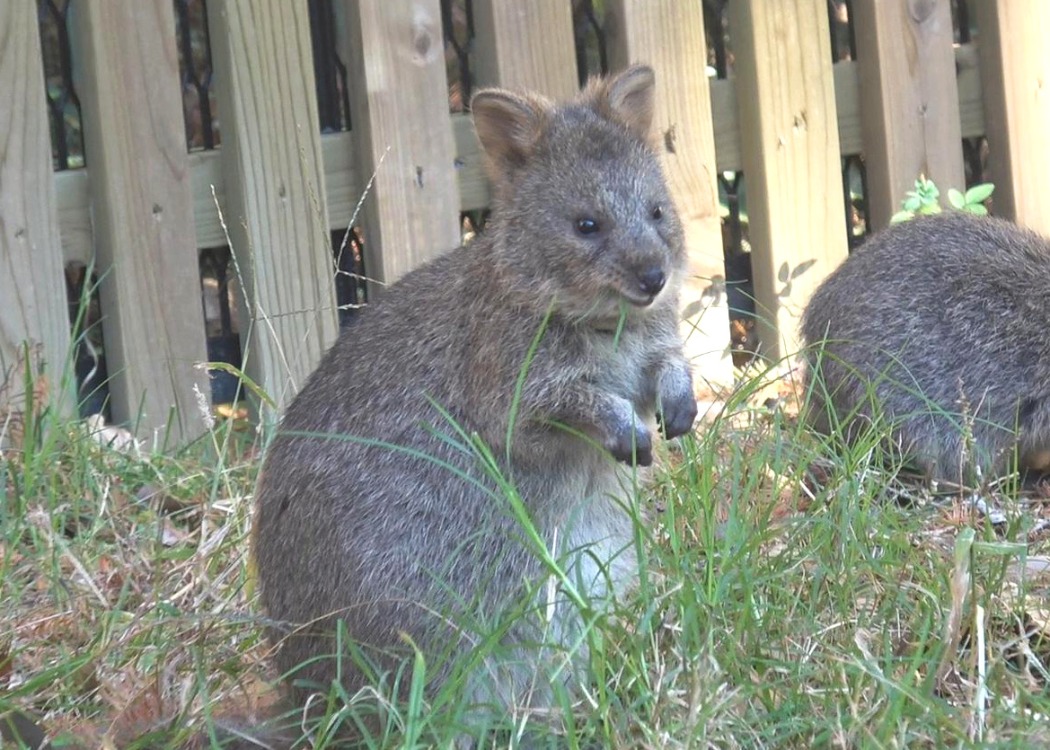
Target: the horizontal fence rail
pixel 72 187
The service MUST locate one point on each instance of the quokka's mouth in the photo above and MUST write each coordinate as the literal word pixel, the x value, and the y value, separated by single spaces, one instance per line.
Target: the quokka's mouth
pixel 643 285
pixel 638 298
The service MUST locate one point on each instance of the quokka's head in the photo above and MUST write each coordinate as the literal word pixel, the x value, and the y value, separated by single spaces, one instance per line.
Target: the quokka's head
pixel 581 204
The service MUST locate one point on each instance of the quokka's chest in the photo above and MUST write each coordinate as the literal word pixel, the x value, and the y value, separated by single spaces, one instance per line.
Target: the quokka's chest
pixel 625 362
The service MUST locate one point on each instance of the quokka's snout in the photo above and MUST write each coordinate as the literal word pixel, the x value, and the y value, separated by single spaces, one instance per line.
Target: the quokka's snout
pixel 640 286
pixel 651 281
pixel 646 270
pixel 938 329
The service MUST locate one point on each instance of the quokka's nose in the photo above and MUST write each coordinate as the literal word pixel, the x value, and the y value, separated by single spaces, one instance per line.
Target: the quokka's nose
pixel 652 280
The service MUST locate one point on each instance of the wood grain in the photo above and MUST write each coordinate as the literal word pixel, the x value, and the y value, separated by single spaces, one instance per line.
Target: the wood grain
pixel 402 135
pixel 141 210
pixel 31 285
pixel 670 37
pixel 791 159
pixel 341 176
pixel 1015 72
pixel 274 199
pixel 526 45
pixel 908 98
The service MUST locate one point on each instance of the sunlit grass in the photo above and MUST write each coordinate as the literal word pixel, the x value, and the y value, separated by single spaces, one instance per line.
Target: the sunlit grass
pixel 794 593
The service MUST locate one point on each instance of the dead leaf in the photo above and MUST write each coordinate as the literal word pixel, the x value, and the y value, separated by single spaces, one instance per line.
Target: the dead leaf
pixel 171 536
pixel 112 574
pixel 140 709
pixel 231 411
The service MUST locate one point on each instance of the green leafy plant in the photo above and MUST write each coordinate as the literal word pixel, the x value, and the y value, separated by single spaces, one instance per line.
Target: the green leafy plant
pixel 972 201
pixel 925 200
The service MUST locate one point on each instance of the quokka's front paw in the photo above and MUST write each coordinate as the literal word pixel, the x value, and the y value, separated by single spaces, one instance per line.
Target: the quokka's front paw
pixel 677 408
pixel 632 444
pixel 677 417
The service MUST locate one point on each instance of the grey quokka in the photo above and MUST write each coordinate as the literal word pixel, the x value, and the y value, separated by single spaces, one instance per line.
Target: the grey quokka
pixel 939 328
pixel 553 339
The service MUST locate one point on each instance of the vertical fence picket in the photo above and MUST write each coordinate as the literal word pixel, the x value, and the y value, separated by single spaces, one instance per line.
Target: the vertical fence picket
pixel 135 146
pixel 31 287
pixel 526 46
pixel 670 36
pixel 790 151
pixel 1015 78
pixel 275 204
pixel 131 208
pixel 909 100
pixel 402 134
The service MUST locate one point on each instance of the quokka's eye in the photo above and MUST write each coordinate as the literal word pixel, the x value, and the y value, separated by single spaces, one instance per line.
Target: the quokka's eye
pixel 657 213
pixel 587 226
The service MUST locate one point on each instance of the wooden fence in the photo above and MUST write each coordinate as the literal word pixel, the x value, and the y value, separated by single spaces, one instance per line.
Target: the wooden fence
pixel 786 117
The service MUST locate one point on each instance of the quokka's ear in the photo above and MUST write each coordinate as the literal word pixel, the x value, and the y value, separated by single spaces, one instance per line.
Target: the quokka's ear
pixel 627 97
pixel 508 126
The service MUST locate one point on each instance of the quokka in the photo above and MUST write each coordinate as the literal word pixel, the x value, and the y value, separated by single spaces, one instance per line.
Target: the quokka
pixel 939 328
pixel 553 340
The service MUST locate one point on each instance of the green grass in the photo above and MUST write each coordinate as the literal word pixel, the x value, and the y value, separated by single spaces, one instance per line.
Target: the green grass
pixel 794 594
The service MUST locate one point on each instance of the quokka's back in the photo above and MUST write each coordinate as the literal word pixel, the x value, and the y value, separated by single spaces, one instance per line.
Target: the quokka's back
pixel 551 338
pixel 940 327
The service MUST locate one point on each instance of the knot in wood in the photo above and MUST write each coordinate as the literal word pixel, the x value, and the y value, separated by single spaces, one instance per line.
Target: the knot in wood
pixel 921 10
pixel 424 34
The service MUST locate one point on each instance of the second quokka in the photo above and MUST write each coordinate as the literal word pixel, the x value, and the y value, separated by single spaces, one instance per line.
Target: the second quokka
pixel 938 329
pixel 553 339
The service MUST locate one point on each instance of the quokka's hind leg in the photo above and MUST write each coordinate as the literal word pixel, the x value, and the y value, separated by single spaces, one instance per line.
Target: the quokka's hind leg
pixel 1033 419
pixel 1038 461
pixel 970 452
pixel 930 445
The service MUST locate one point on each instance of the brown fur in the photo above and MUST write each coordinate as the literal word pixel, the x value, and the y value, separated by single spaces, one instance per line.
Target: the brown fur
pixel 945 319
pixel 392 542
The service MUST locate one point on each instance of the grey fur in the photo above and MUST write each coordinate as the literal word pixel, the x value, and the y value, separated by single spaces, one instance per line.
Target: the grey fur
pixel 392 542
pixel 946 320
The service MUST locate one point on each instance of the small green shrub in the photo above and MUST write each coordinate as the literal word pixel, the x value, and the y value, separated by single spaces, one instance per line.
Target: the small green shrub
pixel 925 200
